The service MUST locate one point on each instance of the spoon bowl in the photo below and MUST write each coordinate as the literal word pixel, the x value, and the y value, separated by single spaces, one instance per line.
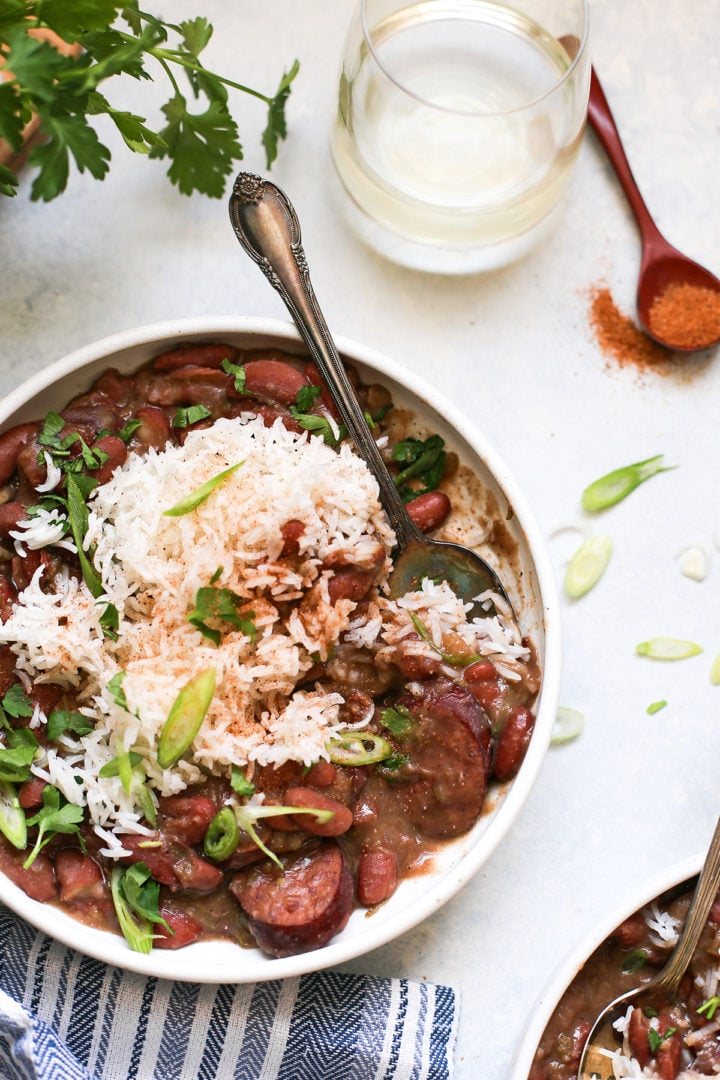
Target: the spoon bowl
pixel 267 226
pixel 660 989
pixel 666 275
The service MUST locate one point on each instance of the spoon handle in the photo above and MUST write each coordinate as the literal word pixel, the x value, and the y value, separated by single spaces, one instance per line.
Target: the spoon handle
pixel 603 122
pixel 267 227
pixel 705 893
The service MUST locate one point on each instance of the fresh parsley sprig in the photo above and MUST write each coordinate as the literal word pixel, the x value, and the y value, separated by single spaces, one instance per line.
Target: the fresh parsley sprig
pixel 114 38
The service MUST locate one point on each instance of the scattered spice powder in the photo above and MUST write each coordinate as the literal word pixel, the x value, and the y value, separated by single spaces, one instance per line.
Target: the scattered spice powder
pixel 618 335
pixel 686 316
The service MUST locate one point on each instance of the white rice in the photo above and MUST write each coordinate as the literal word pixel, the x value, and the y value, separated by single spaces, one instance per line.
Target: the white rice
pixel 152 566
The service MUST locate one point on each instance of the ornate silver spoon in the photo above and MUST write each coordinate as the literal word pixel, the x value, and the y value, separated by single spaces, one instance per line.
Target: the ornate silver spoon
pixel 267 227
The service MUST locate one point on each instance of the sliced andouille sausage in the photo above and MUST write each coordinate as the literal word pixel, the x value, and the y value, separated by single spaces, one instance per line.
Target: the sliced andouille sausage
pixel 210 356
pixel 79 876
pixel 301 909
pixel 187 817
pixel 38 881
pixel 30 793
pixel 448 758
pixel 512 743
pixel 154 430
pixel 184 929
pixel 430 510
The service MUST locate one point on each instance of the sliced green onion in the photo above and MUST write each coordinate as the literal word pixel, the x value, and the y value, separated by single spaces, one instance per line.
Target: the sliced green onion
pixel 357 748
pixel 656 706
pixel 587 566
pixel 185 717
pixel 666 648
pixel 248 814
pixel 200 494
pixel 694 563
pixel 568 725
pixel 715 671
pixel 454 659
pixel 223 835
pixel 617 485
pixel 12 816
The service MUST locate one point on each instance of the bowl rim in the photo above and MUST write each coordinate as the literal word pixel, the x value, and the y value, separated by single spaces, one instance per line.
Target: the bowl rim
pixel 179 965
pixel 641 894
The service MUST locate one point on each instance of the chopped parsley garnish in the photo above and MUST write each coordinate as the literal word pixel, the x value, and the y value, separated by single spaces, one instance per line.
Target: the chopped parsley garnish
pixel 125 433
pixel 655 1039
pixel 393 763
pixel 238 373
pixel 16 757
pixel 64 722
pixel 423 464
pixel 224 606
pixel 317 425
pixel 56 816
pixel 240 784
pixel 16 703
pixel 185 417
pixel 306 397
pixel 397 720
pixel 59 449
pixel 634 961
pixel 78 489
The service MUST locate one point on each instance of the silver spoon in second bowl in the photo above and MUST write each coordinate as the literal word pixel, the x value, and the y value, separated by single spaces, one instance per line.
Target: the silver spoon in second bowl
pixel 267 227
pixel 661 988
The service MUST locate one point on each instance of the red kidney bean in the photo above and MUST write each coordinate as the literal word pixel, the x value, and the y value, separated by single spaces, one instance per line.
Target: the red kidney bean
pixel 11 513
pixel 92 417
pixel 349 583
pixel 512 743
pixel 38 881
pixel 638 1036
pixel 8 597
pixel 291 533
pixel 195 373
pixel 338 824
pixel 155 855
pixel 155 429
pixel 430 510
pixel 273 381
pixel 377 876
pixel 184 929
pixel 187 817
pixel 630 933
pixel 30 793
pixel 11 444
pixel 79 876
pixel 486 687
pixel 23 568
pixel 117 453
pixel 210 356
pixel 322 774
pixel 415 665
pixel 301 909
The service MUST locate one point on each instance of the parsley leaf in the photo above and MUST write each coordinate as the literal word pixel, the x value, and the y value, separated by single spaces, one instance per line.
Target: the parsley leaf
pixel 655 1039
pixel 397 720
pixel 224 606
pixel 238 371
pixel 240 785
pixel 201 144
pixel 16 703
pixel 136 900
pixel 184 417
pixel 64 722
pixel 15 759
pixel 306 397
pixel 55 817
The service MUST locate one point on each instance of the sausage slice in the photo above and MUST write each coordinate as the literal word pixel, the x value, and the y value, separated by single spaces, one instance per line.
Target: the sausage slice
pixel 448 758
pixel 301 909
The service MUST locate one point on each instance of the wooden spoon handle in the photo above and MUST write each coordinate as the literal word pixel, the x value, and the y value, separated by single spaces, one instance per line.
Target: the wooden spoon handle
pixel 603 123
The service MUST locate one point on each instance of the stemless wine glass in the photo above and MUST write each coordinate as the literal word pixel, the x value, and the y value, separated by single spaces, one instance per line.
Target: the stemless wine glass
pixel 457 126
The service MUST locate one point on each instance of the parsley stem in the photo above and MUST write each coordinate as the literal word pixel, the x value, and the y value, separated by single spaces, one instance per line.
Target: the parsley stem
pixel 177 57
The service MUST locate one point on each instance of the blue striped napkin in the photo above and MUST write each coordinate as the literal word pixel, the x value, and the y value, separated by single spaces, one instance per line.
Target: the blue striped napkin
pixel 64 1016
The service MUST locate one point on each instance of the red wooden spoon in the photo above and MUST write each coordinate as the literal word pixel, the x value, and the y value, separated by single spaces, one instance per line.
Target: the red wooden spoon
pixel 664 271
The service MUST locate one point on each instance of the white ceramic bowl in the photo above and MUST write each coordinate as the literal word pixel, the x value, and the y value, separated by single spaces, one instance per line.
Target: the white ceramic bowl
pixel 667 878
pixel 535 597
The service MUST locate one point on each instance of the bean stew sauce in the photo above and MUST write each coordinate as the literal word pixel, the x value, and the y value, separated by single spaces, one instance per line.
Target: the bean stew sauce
pixel 430 727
